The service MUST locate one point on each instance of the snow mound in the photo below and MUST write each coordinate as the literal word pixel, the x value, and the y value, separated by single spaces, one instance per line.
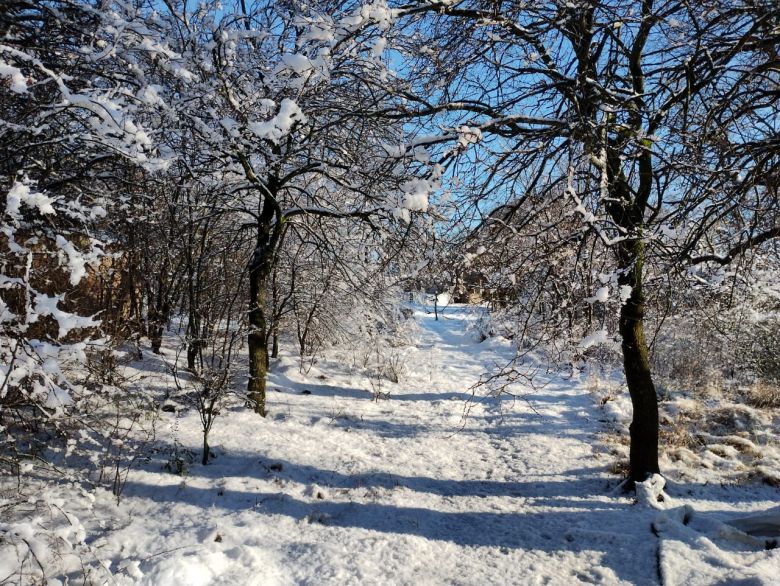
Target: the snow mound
pixel 232 566
pixel 651 491
pixel 697 550
pixel 765 524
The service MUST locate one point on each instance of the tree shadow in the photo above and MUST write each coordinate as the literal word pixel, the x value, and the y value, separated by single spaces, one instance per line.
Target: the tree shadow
pixel 738 492
pixel 558 516
pixel 588 482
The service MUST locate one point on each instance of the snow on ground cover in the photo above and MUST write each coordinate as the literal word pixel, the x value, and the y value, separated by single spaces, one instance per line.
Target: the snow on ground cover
pixel 705 437
pixel 335 488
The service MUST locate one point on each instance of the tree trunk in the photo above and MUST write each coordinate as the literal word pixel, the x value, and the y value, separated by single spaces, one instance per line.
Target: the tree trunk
pixel 276 314
pixel 275 342
pixel 258 329
pixel 205 459
pixel 269 229
pixel 156 330
pixel 636 364
pixel 627 210
pixel 159 312
pixel 156 335
pixel 193 350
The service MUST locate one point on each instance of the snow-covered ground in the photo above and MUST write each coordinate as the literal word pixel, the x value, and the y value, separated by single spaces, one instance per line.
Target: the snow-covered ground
pixel 430 485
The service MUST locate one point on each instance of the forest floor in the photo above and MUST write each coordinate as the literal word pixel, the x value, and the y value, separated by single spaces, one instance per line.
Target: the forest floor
pixel 431 484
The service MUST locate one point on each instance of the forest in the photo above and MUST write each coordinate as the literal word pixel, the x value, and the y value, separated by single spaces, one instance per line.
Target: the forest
pixel 389 292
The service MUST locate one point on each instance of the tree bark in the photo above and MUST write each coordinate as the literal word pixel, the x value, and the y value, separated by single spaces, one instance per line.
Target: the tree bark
pixel 627 210
pixel 258 332
pixel 636 364
pixel 206 449
pixel 277 312
pixel 275 342
pixel 158 319
pixel 269 229
pixel 193 351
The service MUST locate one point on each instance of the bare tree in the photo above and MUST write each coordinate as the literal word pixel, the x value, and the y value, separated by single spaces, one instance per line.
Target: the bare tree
pixel 598 102
pixel 277 114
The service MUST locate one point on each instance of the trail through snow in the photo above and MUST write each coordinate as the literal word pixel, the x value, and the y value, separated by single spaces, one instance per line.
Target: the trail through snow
pixel 334 488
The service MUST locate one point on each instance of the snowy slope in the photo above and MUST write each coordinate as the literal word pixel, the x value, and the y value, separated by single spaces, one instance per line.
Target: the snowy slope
pixel 335 488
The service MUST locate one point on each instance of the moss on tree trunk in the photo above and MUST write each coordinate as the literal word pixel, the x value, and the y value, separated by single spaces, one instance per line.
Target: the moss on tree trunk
pixel 258 331
pixel 636 365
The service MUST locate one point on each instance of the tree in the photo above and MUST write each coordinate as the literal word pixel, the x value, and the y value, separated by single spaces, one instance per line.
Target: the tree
pixel 220 317
pixel 598 102
pixel 276 109
pixel 69 132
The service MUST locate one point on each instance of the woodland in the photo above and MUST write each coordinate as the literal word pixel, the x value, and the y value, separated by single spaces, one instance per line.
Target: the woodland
pixel 216 215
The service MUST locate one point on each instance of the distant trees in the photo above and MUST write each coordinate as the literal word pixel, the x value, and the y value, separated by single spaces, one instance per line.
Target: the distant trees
pixel 166 152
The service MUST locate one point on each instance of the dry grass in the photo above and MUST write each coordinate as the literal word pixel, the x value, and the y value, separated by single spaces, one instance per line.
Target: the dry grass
pixel 763 395
pixel 680 429
pixel 732 419
pixel 768 476
pixel 679 435
pixel 742 445
pixel 711 424
pixel 619 468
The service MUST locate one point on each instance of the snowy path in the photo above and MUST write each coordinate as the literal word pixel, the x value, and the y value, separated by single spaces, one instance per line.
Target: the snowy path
pixel 334 488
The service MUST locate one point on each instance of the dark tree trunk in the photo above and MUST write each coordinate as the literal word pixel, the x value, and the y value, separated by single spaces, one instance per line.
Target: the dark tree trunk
pixel 636 364
pixel 270 222
pixel 156 335
pixel 276 316
pixel 193 350
pixel 627 210
pixel 206 449
pixel 158 320
pixel 261 268
pixel 159 311
pixel 302 346
pixel 275 342
pixel 258 329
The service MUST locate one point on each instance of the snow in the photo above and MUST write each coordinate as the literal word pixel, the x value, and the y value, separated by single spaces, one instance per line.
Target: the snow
pixel 597 337
pixel 76 260
pixel 296 62
pixel 379 47
pixel 468 135
pixel 601 295
pixel 698 550
pixel 21 193
pixel 280 125
pixel 625 292
pixel 18 80
pixel 650 492
pixel 319 28
pixel 435 484
pixel 421 154
pixel 46 305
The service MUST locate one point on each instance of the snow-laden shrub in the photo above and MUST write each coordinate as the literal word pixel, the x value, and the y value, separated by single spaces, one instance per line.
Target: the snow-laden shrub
pixel 208 387
pixel 36 539
pixel 72 132
pixel 375 339
pixel 116 422
pixel 715 340
pixel 385 354
pixel 40 337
